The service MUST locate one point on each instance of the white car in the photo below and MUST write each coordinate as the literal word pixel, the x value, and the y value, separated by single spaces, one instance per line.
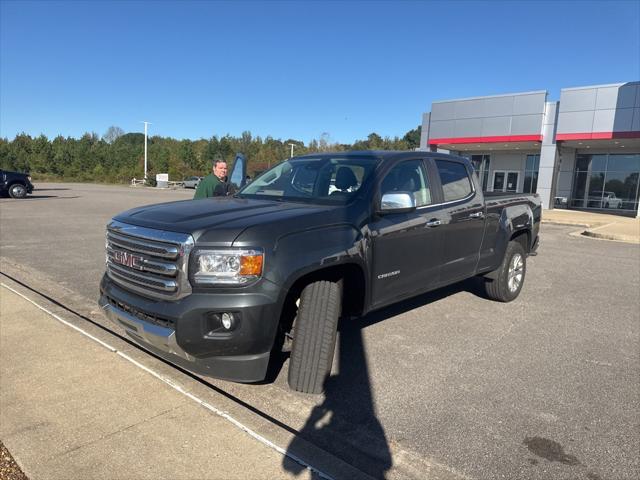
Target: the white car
pixel 191 182
pixel 604 200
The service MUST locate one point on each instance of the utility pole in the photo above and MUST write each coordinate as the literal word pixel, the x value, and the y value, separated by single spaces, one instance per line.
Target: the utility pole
pixel 292 145
pixel 145 150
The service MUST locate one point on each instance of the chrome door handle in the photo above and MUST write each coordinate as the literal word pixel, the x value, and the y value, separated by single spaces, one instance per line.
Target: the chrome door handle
pixel 434 223
pixel 476 215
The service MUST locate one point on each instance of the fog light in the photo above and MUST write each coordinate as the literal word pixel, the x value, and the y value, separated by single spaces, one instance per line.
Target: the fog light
pixel 227 320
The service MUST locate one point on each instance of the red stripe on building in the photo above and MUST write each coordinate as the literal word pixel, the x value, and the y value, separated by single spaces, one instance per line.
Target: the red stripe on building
pixel 496 139
pixel 596 135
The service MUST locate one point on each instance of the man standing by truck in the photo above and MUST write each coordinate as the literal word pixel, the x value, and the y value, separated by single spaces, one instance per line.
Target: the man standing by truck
pixel 213 185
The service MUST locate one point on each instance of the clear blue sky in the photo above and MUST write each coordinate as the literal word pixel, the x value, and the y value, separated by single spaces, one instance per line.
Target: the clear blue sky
pixel 293 69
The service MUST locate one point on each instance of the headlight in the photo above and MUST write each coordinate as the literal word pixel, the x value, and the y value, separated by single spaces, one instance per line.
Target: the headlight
pixel 227 267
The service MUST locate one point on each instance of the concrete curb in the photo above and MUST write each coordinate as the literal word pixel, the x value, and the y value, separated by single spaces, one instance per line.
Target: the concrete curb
pixel 566 223
pixel 590 232
pixel 609 236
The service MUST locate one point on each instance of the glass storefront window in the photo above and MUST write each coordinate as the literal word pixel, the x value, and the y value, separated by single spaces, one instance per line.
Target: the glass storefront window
pixel 481 165
pixel 606 182
pixel 531 174
pixel 624 163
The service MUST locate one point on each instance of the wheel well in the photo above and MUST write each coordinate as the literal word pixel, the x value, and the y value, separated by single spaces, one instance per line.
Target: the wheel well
pixel 350 275
pixel 14 182
pixel 524 238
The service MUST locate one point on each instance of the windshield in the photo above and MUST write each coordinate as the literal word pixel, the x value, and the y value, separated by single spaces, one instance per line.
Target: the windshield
pixel 321 180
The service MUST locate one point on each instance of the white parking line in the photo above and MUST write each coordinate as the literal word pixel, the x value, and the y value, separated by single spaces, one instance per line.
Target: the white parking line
pixel 178 388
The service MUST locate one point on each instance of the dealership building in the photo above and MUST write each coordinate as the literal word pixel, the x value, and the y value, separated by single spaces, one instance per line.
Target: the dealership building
pixel 581 152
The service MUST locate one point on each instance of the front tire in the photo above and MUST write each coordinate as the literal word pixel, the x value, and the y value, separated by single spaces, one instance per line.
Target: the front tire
pixel 314 340
pixel 506 282
pixel 17 190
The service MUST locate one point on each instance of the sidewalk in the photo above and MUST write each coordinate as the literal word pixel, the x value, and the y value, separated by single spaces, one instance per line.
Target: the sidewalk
pixel 72 409
pixel 597 225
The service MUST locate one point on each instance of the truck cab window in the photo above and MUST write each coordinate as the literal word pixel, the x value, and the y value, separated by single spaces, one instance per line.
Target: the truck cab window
pixel 408 177
pixel 454 179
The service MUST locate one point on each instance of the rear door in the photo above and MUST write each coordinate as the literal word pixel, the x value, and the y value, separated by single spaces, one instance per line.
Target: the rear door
pixel 463 219
pixel 407 247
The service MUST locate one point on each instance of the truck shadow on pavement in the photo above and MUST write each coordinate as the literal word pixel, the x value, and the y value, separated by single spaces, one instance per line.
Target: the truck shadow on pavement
pixel 345 422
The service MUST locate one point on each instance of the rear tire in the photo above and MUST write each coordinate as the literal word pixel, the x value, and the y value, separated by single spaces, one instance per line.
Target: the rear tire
pixel 17 190
pixel 506 282
pixel 315 336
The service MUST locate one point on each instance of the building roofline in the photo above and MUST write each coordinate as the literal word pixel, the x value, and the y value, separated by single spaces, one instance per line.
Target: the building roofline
pixel 491 96
pixel 589 87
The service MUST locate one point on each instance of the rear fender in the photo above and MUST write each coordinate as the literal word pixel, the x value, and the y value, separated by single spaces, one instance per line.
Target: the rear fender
pixel 513 220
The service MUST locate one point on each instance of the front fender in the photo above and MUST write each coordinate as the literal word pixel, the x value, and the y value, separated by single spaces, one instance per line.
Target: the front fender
pixel 300 253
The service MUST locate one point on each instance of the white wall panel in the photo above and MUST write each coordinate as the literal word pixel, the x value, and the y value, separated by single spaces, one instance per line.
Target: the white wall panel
pixel 575 122
pixel 494 126
pixel 468 128
pixel 526 124
pixel 578 100
pixel 443 111
pixel 507 161
pixel 603 120
pixel 607 98
pixel 529 104
pixel 444 129
pixel 424 131
pixel 498 106
pixel 469 109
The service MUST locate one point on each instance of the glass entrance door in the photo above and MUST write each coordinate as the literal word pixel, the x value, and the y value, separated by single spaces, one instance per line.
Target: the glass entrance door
pixel 512 181
pixel 505 181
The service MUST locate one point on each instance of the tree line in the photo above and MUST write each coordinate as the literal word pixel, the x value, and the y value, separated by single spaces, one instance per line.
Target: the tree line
pixel 117 157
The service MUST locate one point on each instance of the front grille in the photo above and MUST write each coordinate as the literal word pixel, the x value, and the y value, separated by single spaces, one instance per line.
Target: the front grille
pixel 149 262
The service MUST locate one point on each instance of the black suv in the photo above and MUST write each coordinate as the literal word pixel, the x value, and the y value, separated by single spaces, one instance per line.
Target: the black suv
pixel 15 184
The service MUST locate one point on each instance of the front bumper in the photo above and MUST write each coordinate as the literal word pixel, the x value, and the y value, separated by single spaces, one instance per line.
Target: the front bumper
pixel 180 331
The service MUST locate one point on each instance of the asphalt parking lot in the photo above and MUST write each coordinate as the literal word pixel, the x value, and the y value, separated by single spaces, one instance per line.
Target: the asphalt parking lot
pixel 446 385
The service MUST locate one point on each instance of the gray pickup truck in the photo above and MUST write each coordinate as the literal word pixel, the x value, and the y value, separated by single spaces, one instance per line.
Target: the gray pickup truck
pixel 220 285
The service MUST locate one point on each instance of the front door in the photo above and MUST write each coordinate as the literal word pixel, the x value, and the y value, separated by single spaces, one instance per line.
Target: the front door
pixel 407 247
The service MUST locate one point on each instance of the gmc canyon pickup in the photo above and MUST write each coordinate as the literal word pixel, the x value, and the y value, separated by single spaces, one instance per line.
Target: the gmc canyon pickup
pixel 220 285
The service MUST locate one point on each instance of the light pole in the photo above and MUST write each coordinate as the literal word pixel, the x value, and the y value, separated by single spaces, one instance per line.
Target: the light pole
pixel 292 145
pixel 145 150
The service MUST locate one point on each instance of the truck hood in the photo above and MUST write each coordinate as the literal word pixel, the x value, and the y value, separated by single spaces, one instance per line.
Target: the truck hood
pixel 215 220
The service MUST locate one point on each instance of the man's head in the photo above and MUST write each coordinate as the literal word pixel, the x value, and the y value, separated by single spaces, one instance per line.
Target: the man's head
pixel 220 169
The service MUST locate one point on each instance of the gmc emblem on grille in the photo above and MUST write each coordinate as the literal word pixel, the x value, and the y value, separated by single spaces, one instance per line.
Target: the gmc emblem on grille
pixel 128 259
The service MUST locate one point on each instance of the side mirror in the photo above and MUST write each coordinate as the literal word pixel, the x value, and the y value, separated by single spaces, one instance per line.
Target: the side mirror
pixel 397 202
pixel 238 176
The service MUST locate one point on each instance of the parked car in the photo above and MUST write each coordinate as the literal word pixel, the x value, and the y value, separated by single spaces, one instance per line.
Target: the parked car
pixel 15 184
pixel 218 286
pixel 191 182
pixel 604 200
